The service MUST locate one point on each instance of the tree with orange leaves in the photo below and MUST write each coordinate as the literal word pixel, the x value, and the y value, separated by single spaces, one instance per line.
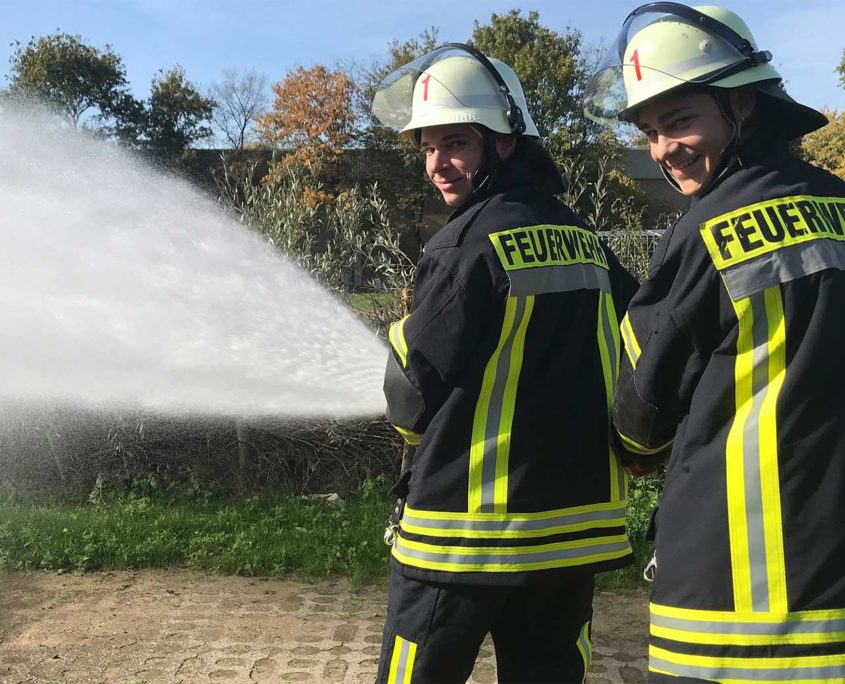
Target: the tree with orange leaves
pixel 313 116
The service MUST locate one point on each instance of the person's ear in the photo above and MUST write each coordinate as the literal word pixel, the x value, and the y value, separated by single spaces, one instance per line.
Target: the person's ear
pixel 743 101
pixel 505 145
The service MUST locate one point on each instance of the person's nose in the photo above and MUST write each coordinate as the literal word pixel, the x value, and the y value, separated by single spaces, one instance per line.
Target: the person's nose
pixel 663 148
pixel 438 161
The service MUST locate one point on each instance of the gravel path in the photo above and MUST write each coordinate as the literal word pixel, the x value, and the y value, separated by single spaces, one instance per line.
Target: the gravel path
pixel 181 627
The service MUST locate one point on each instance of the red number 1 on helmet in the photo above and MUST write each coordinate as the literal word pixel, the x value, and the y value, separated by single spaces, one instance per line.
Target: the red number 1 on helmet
pixel 424 80
pixel 635 60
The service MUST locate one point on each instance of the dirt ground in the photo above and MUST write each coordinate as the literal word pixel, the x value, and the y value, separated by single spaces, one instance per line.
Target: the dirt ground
pixel 183 627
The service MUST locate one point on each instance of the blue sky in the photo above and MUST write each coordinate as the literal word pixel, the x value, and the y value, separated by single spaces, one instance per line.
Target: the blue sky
pixel 272 36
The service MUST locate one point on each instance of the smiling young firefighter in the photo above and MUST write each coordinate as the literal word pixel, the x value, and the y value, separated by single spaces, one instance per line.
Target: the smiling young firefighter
pixel 735 357
pixel 502 375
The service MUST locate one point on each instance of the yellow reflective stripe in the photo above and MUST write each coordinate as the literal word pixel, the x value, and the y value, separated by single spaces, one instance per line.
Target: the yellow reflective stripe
pixel 769 469
pixel 753 483
pixel 396 335
pixel 691 626
pixel 608 340
pixel 730 617
pixel 757 229
pixel 819 668
pixel 503 445
pixel 637 448
pixel 737 527
pixel 612 506
pixel 632 347
pixel 479 424
pixel 410 437
pixel 507 558
pixel 585 648
pixel 402 661
pixel 513 525
pixel 731 639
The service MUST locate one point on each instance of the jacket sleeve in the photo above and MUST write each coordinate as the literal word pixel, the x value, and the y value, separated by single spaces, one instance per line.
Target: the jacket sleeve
pixel 667 339
pixel 622 284
pixel 430 348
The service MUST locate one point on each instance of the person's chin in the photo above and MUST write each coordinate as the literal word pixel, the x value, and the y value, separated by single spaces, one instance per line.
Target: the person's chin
pixel 454 199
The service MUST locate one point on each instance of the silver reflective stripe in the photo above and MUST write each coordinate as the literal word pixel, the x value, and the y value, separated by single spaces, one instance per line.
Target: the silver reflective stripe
pixel 494 412
pixel 751 457
pixel 784 627
pixel 782 266
pixel 490 556
pixel 752 673
pixel 400 666
pixel 615 514
pixel 565 278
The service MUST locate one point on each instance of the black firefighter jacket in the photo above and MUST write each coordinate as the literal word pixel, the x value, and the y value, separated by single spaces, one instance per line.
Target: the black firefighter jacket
pixel 503 375
pixel 735 348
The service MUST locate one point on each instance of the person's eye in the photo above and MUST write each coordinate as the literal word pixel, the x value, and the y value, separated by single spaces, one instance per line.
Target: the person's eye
pixel 680 122
pixel 457 145
pixel 427 151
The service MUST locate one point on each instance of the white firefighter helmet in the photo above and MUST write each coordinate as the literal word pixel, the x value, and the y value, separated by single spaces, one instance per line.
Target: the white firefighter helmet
pixel 666 46
pixel 454 84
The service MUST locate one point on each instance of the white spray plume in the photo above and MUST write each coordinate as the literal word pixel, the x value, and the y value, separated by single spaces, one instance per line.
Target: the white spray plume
pixel 123 287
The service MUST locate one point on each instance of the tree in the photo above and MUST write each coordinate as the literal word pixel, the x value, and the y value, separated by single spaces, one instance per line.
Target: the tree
pixel 312 114
pixel 240 99
pixel 169 122
pixel 177 115
pixel 826 146
pixel 74 77
pixel 554 69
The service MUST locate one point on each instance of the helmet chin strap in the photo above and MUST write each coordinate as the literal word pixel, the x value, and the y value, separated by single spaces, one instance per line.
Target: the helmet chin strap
pixel 486 172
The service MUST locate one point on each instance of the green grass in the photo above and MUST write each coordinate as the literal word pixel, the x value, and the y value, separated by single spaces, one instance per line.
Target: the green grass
pixel 261 536
pixel 365 301
pixel 153 525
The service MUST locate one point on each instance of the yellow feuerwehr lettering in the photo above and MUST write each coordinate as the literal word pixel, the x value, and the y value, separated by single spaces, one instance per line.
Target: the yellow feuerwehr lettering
pixel 760 228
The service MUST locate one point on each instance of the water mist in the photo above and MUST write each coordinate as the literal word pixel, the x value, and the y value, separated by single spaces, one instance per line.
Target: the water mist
pixel 121 287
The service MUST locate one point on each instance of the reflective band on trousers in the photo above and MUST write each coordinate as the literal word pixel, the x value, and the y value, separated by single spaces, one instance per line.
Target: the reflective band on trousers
pixel 607 334
pixel 753 483
pixel 513 525
pixel 402 662
pixel 585 648
pixel 491 430
pixel 691 626
pixel 825 668
pixel 509 559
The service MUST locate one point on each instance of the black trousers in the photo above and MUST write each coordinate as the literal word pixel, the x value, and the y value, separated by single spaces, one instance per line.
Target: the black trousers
pixel 433 631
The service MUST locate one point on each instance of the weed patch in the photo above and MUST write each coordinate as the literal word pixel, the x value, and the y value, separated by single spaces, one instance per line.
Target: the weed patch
pixel 151 524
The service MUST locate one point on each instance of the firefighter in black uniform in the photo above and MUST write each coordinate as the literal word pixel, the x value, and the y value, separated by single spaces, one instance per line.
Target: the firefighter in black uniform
pixel 735 357
pixel 503 375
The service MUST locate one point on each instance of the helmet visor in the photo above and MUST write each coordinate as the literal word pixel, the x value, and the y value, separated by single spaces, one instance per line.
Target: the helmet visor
pixel 659 50
pixel 394 97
